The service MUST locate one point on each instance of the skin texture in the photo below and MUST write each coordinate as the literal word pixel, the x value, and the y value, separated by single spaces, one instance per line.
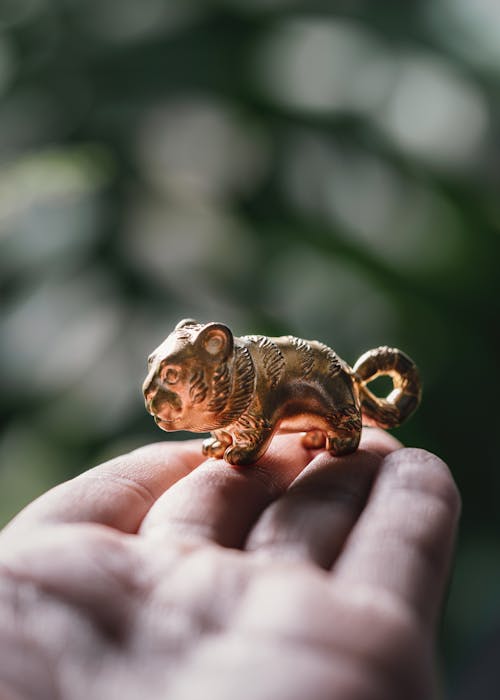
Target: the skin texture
pixel 304 576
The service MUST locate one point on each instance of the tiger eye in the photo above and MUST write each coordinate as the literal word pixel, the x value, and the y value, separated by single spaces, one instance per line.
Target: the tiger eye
pixel 171 375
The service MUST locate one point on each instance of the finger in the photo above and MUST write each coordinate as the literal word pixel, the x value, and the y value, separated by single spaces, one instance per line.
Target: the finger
pixel 403 541
pixel 117 493
pixel 219 502
pixel 313 518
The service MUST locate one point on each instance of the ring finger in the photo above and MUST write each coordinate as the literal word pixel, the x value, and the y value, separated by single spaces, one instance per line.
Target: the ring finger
pixel 312 520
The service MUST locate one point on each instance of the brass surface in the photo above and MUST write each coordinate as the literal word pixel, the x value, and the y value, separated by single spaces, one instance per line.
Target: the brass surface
pixel 244 389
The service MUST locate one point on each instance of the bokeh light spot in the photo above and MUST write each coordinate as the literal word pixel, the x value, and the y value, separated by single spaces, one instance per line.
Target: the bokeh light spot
pixel 435 113
pixel 195 147
pixel 313 64
pixel 319 297
pixel 471 28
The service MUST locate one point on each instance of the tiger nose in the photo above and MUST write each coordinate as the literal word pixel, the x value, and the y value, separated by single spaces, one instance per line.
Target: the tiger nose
pixel 150 390
pixel 148 384
pixel 164 404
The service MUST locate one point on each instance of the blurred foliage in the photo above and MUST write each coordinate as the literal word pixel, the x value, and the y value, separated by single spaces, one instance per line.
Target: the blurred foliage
pixel 327 169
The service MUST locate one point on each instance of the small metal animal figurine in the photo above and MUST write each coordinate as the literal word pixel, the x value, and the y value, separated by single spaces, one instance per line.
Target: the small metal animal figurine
pixel 243 390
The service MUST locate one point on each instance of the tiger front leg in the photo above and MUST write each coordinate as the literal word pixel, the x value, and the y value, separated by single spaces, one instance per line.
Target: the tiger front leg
pixel 216 444
pixel 251 437
pixel 242 454
pixel 342 443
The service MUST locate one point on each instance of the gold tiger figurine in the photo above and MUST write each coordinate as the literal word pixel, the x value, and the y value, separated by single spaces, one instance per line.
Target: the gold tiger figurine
pixel 243 390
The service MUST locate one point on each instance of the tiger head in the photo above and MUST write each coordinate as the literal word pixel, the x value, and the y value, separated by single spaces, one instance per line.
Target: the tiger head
pixel 189 381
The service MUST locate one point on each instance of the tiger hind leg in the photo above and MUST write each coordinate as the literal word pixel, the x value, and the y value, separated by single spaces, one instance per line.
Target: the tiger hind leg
pixel 342 443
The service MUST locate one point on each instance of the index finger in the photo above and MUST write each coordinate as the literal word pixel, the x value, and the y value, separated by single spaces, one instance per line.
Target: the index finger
pixel 403 541
pixel 117 493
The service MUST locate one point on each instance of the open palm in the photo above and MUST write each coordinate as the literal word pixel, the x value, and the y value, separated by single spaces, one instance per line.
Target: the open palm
pixel 159 575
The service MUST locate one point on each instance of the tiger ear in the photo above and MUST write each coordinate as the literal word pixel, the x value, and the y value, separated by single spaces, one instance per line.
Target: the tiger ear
pixel 217 340
pixel 186 322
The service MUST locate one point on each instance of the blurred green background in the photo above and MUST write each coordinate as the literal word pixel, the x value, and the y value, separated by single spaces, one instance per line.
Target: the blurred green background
pixel 326 169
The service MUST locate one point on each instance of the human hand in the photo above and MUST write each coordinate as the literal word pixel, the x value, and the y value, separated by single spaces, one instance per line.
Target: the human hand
pixel 305 576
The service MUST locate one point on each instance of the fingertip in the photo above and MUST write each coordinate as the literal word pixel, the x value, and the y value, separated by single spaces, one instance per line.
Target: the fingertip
pixel 404 540
pixel 119 492
pixel 426 473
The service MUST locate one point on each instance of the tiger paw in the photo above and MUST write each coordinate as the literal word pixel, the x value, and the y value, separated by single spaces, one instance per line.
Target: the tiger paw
pixel 212 447
pixel 240 456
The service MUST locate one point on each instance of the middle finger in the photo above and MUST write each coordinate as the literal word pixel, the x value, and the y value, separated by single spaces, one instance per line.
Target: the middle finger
pixel 221 503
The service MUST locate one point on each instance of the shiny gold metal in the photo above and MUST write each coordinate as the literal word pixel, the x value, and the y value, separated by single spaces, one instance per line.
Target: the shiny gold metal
pixel 243 390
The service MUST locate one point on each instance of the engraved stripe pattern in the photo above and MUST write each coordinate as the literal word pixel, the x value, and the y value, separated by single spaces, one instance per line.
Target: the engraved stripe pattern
pixel 347 418
pixel 273 360
pixel 221 388
pixel 249 428
pixel 243 384
pixel 306 355
pixel 334 365
pixel 198 388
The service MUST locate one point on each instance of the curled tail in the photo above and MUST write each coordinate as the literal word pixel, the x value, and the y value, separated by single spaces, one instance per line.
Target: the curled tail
pixel 402 400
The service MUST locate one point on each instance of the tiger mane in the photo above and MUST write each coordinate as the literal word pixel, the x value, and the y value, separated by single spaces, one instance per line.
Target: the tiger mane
pixel 230 387
pixel 241 388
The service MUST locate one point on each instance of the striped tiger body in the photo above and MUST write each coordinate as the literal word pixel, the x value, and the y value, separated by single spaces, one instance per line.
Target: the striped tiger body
pixel 245 389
